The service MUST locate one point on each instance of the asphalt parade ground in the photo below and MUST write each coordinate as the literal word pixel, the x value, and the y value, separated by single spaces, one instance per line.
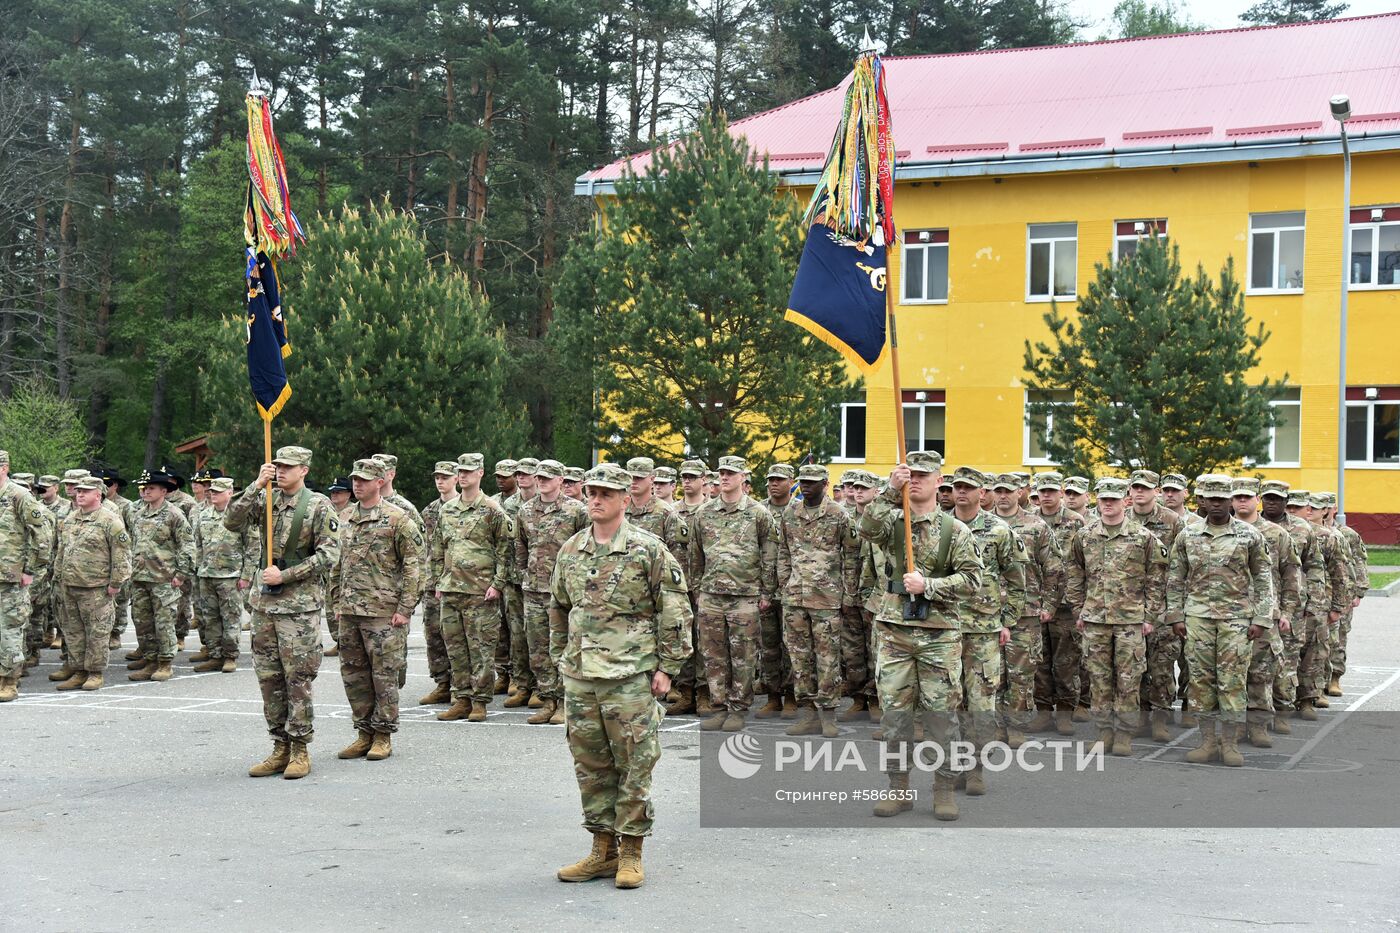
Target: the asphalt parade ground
pixel 130 808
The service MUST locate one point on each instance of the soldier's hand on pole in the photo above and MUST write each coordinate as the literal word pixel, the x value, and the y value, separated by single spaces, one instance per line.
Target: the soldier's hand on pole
pixel 266 474
pixel 492 594
pixel 272 576
pixel 660 684
pixel 899 477
pixel 914 583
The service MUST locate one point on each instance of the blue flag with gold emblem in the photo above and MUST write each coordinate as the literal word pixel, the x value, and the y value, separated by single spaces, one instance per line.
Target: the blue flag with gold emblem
pixel 267 336
pixel 839 295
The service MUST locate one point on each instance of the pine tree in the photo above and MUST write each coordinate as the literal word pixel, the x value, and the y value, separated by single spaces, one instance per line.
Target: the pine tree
pixel 1160 371
pixel 1282 12
pixel 678 303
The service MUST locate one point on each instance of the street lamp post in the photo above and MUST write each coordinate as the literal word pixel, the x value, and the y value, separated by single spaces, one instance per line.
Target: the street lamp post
pixel 1341 112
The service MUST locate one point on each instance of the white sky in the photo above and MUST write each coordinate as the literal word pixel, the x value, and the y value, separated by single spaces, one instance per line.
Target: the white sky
pixel 1216 14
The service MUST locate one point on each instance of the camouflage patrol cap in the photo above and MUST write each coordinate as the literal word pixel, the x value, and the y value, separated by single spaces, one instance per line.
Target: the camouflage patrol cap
pixel 527 465
pixel 813 471
pixel 711 476
pixel 24 479
pixel 781 471
pixel 1298 496
pixel 89 482
pixel 1322 500
pixel 73 476
pixel 846 477
pixel 550 469
pixel 641 467
pixel 473 461
pixel 727 465
pixel 924 461
pixel 1145 478
pixel 503 467
pixel 693 468
pixel 1051 480
pixel 969 477
pixel 445 468
pixel 1274 487
pixel 47 480
pixel 1173 481
pixel 1078 484
pixel 1006 481
pixel 573 474
pixel 865 479
pixel 1111 487
pixel 221 484
pixel 292 456
pixel 369 468
pixel 390 461
pixel 665 474
pixel 608 476
pixel 1023 478
pixel 1244 486
pixel 1214 486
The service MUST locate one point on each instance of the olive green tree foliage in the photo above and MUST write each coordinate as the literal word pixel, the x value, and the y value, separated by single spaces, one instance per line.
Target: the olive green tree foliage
pixel 391 354
pixel 678 305
pixel 42 431
pixel 1160 367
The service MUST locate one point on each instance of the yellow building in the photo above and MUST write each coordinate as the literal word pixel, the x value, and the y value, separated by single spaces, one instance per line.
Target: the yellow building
pixel 1020 170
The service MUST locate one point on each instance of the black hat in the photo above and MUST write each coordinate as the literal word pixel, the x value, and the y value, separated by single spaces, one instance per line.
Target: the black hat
pixel 340 484
pixel 206 475
pixel 175 476
pixel 110 477
pixel 157 478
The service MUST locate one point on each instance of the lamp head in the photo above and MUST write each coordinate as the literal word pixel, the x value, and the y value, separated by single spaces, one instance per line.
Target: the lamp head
pixel 1341 108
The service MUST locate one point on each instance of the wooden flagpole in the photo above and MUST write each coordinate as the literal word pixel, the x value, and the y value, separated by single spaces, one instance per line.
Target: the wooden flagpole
pixel 898 401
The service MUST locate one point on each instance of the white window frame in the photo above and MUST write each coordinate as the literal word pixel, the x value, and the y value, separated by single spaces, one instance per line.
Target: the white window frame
pixel 905 246
pixel 1026 458
pixel 923 423
pixel 1119 239
pixel 1275 231
pixel 1370 406
pixel 844 406
pixel 1031 241
pixel 1375 228
pixel 1273 436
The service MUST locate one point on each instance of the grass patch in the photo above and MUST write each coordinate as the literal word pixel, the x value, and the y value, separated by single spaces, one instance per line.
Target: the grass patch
pixel 1383 556
pixel 1380 580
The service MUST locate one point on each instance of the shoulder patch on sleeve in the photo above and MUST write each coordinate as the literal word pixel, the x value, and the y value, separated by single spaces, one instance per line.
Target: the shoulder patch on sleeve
pixel 335 523
pixel 676 576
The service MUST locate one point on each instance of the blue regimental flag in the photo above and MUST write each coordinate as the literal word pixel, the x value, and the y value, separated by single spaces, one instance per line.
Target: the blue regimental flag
pixel 839 295
pixel 267 337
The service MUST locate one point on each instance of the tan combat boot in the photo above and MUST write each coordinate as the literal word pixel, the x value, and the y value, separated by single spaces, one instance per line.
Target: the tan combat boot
pixel 716 722
pixel 9 689
pixel 1015 738
pixel 857 710
pixel 201 655
pixel 298 761
pixel 600 862
pixel 1104 741
pixel 93 682
pixel 518 698
pixel 137 665
pixel 229 666
pixel 332 652
pixel 439 694
pixel 557 717
pixel 1189 719
pixel 1044 721
pixel 73 683
pixel 1230 755
pixel 1321 702
pixel 162 671
pixel 772 708
pixel 686 703
pixel 703 705
pixel 735 721
pixel 460 709
pixel 144 672
pixel 899 800
pixel 873 708
pixel 789 704
pixel 807 723
pixel 828 721
pixel 179 644
pixel 1257 734
pixel 629 862
pixel 1144 725
pixel 382 747
pixel 209 665
pixel 275 763
pixel 536 701
pixel 945 805
pixel 1281 725
pixel 976 783
pixel 1307 711
pixel 1159 726
pixel 62 674
pixel 502 682
pixel 134 655
pixel 114 642
pixel 478 713
pixel 1208 749
pixel 1064 722
pixel 542 714
pixel 1123 744
pixel 1334 686
pixel 1081 714
pixel 357 748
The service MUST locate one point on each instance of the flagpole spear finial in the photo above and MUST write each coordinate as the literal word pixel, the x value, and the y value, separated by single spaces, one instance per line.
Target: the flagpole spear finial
pixel 869 46
pixel 254 85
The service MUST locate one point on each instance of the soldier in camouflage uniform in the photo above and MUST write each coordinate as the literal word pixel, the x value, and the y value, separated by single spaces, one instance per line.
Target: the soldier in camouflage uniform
pixel 126 511
pixel 439 665
pixel 818 579
pixel 1220 594
pixel 391 467
pixel 469 558
pixel 541 528
pixel 988 615
pixel 186 503
pixel 1159 683
pixel 26 550
pixel 1315 663
pixel 1020 656
pixel 573 483
pixel 287 607
pixel 1057 678
pixel 47 602
pixel 373 592
pixel 692 475
pixel 1268 649
pixel 511 649
pixel 711 484
pixel 93 561
pixel 1173 487
pixel 1361 585
pixel 774 665
pixel 39 589
pixel 858 629
pixel 1315 592
pixel 162 559
pixel 733 561
pixel 919 661
pixel 225 564
pixel 1076 497
pixel 637 629
pixel 1116 584
pixel 661 519
pixel 665 486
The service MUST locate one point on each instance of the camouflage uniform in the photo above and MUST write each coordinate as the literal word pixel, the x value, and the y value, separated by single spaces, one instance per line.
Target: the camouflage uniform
pixel 378 577
pixel 694 670
pixel 874 579
pixel 1315 663
pixel 1337 642
pixel 163 549
pixel 124 509
pixel 919 662
pixel 1164 648
pixel 774 664
pixel 223 560
pixel 1021 655
pixel 46 599
pixel 1115 584
pixel 94 553
pixel 607 639
pixel 287 623
pixel 541 528
pixel 26 547
pixel 439 666
pixel 187 504
pixel 1057 678
pixel 1315 598
pixel 512 641
pixel 733 554
pixel 470 554
pixel 818 577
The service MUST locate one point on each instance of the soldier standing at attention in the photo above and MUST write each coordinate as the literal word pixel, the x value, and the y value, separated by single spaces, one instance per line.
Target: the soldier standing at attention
pixel 94 560
pixel 185 503
pixel 665 486
pixel 774 665
pixel 1057 677
pixel 512 655
pixel 638 636
pixel 225 564
pixel 541 528
pixel 339 493
pixel 439 667
pixel 1315 592
pixel 391 469
pixel 1220 595
pixel 1076 495
pixel 124 509
pixel 858 644
pixel 1116 585
pixel 573 483
pixel 661 519
pixel 26 550
pixel 682 699
pixel 469 557
pixel 1317 644
pixel 287 607
pixel 733 555
pixel 48 602
pixel 1173 488
pixel 1356 560
pixel 373 592
pixel 711 484
pixel 508 651
pixel 162 558
pixel 818 578
pixel 919 660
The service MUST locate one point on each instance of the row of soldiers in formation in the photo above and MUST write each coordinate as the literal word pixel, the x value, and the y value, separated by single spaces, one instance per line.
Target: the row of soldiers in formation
pixel 1009 610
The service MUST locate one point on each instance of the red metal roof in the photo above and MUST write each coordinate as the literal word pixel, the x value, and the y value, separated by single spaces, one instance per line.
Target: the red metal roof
pixel 1226 86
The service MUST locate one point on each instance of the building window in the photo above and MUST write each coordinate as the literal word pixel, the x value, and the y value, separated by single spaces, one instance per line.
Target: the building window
pixel 1286 435
pixel 1373 427
pixel 852 432
pixel 1375 247
pixel 1052 252
pixel 1127 233
pixel 925 265
pixel 1276 252
pixel 1040 422
pixel 924 419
